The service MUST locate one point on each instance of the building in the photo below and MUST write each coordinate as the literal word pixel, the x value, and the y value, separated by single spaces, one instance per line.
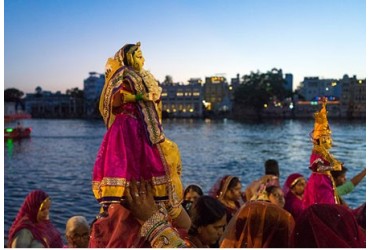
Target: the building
pixel 45 104
pixel 217 93
pixel 312 88
pixel 180 100
pixel 353 98
pixel 93 86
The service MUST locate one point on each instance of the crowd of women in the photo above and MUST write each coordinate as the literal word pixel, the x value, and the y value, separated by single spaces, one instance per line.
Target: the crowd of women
pixel 137 180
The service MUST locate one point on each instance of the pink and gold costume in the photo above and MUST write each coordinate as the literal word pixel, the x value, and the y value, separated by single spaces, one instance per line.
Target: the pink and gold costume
pixel 320 187
pixel 134 147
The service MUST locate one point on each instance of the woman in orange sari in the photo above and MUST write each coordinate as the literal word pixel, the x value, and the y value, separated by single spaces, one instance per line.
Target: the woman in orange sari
pixel 259 224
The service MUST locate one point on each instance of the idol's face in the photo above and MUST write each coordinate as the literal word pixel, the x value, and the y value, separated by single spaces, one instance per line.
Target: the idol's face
pixel 326 142
pixel 138 60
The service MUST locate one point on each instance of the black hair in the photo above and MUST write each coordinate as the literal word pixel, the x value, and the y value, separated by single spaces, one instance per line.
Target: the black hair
pixel 234 181
pixel 336 174
pixel 272 167
pixel 125 50
pixel 205 210
pixel 194 188
pixel 271 189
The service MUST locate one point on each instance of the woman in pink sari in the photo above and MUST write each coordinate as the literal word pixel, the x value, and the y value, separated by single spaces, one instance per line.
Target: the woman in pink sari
pixel 32 227
pixel 320 187
pixel 293 192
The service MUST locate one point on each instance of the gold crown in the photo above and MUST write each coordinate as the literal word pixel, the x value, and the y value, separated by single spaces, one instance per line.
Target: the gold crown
pixel 321 127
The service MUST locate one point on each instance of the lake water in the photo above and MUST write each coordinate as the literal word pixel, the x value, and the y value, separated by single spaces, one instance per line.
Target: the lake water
pixel 60 155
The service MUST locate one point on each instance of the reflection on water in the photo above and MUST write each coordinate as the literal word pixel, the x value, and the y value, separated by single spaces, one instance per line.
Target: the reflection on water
pixel 60 154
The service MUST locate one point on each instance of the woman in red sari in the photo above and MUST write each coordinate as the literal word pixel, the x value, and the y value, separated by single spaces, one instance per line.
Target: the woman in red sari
pixel 32 227
pixel 327 226
pixel 293 191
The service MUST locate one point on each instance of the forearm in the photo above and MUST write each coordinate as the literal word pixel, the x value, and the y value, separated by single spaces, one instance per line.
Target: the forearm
pixel 358 178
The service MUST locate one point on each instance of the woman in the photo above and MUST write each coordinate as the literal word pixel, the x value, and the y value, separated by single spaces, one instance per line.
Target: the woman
pixel 191 194
pixel 293 191
pixel 228 191
pixel 275 195
pixel 327 226
pixel 259 224
pixel 208 220
pixel 320 187
pixel 32 227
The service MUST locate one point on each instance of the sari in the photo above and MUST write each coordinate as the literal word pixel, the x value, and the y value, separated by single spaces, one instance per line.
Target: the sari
pixel 258 224
pixel 293 204
pixel 327 226
pixel 360 215
pixel 134 146
pixel 219 190
pixel 320 188
pixel 119 229
pixel 257 188
pixel 43 231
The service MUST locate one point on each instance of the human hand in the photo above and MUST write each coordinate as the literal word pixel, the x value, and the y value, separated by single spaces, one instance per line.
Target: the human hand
pixel 140 200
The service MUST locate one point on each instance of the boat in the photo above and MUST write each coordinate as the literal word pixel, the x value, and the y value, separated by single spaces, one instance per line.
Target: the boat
pixel 17 116
pixel 17 133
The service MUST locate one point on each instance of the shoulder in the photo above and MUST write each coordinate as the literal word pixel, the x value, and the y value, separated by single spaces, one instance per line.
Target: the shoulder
pixel 23 238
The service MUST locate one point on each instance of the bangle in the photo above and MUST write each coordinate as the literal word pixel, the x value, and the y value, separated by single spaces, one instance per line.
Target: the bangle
pixel 157 219
pixel 139 97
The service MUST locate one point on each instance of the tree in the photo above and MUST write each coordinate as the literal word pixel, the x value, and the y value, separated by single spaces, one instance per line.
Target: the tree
pixel 75 92
pixel 13 95
pixel 258 89
pixel 168 80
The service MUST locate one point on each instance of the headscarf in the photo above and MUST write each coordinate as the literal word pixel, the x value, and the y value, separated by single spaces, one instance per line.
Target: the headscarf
pixel 291 181
pixel 257 189
pixel 258 224
pixel 119 70
pixel 327 226
pixel 221 186
pixel 42 231
pixel 119 229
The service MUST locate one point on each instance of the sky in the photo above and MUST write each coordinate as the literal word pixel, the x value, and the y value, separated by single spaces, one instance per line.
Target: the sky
pixel 54 44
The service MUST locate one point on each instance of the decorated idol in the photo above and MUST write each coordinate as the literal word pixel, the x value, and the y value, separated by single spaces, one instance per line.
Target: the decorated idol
pixel 134 148
pixel 320 186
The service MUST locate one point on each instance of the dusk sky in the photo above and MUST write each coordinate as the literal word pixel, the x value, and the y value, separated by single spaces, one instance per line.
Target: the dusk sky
pixel 56 43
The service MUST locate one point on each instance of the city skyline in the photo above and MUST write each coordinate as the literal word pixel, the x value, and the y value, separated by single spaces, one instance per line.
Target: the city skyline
pixel 55 44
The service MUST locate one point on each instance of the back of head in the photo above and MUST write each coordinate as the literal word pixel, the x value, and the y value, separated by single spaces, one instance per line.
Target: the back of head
pixel 205 210
pixel 272 167
pixel 259 224
pixel 327 226
pixel 336 174
pixel 194 188
pixel 76 222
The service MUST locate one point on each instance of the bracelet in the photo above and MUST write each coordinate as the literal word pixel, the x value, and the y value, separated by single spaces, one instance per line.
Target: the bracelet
pixel 157 219
pixel 139 97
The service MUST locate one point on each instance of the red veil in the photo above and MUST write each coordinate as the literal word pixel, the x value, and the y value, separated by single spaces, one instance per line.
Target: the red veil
pixel 43 231
pixel 327 226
